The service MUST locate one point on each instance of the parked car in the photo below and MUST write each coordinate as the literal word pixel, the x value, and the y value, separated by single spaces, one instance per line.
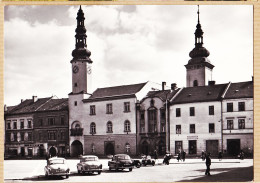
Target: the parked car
pixel 89 164
pixel 120 162
pixel 57 166
pixel 147 160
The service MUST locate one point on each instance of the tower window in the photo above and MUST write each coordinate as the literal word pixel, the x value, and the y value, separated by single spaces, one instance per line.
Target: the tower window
pixel 75 84
pixel 75 103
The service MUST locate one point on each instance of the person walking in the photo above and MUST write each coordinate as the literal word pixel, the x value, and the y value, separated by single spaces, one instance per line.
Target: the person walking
pixel 203 155
pixel 183 155
pixel 155 156
pixel 208 163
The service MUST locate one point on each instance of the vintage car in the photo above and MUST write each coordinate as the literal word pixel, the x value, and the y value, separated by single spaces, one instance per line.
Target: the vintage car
pixel 56 166
pixel 89 164
pixel 120 162
pixel 137 163
pixel 147 160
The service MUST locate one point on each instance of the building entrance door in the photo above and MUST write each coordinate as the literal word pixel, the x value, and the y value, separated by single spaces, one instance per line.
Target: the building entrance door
pixel 233 146
pixel 212 147
pixel 76 148
pixel 192 147
pixel 22 151
pixel 109 148
pixel 52 151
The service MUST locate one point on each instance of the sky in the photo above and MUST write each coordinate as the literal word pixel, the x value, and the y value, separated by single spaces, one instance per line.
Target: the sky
pixel 129 44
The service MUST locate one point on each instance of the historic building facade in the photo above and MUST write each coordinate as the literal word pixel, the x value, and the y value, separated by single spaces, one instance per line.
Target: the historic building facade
pixel 37 127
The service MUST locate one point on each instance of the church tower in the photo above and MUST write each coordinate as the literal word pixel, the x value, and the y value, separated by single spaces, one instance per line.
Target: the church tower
pixel 199 69
pixel 81 63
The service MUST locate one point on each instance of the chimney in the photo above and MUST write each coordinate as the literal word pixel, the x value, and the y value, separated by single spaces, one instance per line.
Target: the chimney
pixel 173 86
pixel 163 84
pixel 34 98
pixel 5 108
pixel 211 83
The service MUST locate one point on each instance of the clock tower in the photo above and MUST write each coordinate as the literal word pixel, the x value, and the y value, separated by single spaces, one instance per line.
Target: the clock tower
pixel 81 63
pixel 199 69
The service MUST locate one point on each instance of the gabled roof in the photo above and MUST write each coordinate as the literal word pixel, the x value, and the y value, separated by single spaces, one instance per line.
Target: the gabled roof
pixel 200 94
pixel 240 90
pixel 162 94
pixel 42 104
pixel 115 92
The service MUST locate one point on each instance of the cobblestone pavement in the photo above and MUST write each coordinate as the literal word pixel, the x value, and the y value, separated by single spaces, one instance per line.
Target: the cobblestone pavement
pixel 192 170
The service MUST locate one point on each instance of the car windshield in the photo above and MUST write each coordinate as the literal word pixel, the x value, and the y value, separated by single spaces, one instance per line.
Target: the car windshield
pixel 89 159
pixel 57 161
pixel 124 157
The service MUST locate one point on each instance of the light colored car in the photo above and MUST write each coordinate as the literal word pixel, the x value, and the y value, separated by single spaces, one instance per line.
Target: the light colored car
pixel 120 162
pixel 89 164
pixel 57 166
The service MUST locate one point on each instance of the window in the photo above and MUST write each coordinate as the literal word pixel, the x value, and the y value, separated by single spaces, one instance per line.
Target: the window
pixel 126 106
pixel 8 137
pixel 178 112
pixel 15 137
pixel 62 135
pixel 241 106
pixel 178 129
pixel 109 109
pixel 75 103
pixel 9 125
pixel 21 124
pixel 40 136
pixel 127 126
pixel 211 128
pixel 75 84
pixel 29 123
pixel 142 122
pixel 92 110
pixel 62 120
pixel 92 128
pixel 51 135
pixel 192 128
pixel 229 107
pixel 163 119
pixel 178 146
pixel 211 110
pixel 127 147
pixel 51 121
pixel 29 136
pixel 40 122
pixel 230 124
pixel 192 111
pixel 15 125
pixel 241 123
pixel 22 136
pixel 109 127
pixel 152 120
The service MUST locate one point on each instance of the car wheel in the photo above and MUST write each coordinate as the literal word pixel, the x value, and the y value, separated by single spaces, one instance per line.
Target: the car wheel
pixel 99 172
pixel 153 163
pixel 67 176
pixel 138 165
pixel 109 168
pixel 130 169
pixel 46 175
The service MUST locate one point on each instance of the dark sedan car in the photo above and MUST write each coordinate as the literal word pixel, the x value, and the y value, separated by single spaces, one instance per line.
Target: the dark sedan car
pixel 120 162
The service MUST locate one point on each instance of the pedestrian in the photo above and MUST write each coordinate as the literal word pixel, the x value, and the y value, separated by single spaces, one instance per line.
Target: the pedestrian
pixel 241 155
pixel 208 163
pixel 155 155
pixel 220 156
pixel 179 156
pixel 183 155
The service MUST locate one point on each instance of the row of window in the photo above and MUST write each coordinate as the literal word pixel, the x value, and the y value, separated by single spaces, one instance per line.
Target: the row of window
pixel 109 108
pixel 230 124
pixel 22 124
pixel 127 148
pixel 192 128
pixel 109 126
pixel 241 106
pixel 51 121
pixel 13 137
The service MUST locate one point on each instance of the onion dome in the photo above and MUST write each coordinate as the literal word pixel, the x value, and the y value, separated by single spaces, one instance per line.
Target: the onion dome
pixel 81 53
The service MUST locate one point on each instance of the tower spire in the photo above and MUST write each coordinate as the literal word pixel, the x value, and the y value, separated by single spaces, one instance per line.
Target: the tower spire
pixel 81 53
pixel 198 14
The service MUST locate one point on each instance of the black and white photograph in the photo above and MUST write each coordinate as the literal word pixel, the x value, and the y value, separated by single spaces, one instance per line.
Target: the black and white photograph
pixel 128 93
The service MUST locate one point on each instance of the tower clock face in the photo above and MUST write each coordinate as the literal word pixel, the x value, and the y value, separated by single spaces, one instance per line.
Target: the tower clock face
pixel 75 69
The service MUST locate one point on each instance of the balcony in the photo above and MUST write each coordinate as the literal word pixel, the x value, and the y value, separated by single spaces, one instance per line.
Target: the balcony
pixel 76 132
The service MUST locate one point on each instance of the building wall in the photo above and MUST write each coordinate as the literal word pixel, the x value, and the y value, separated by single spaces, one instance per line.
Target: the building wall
pixel 195 74
pixel 202 119
pixel 244 135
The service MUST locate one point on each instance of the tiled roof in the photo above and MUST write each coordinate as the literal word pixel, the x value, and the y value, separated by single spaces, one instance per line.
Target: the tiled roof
pixel 162 94
pixel 240 90
pixel 42 104
pixel 200 94
pixel 117 91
